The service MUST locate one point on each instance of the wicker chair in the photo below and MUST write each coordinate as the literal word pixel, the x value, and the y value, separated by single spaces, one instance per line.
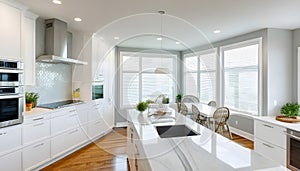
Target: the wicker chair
pixel 221 116
pixel 212 103
pixel 185 104
pixel 198 117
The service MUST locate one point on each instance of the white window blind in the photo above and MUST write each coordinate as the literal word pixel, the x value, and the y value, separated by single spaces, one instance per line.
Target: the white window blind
pixel 241 75
pixel 145 76
pixel 200 75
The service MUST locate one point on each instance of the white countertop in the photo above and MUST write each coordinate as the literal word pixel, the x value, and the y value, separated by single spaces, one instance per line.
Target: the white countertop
pixel 208 151
pixel 37 111
pixel 272 120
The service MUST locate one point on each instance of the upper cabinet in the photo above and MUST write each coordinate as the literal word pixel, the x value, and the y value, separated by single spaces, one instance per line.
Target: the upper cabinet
pixel 28 46
pixel 10 32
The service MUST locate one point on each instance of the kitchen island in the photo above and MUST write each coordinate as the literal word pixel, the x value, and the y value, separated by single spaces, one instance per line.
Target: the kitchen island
pixel 207 151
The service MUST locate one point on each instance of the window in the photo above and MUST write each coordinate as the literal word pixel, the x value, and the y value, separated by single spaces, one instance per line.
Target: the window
pixel 200 75
pixel 241 76
pixel 145 76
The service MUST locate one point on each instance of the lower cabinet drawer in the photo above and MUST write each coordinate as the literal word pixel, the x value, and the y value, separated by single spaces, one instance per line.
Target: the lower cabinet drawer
pixel 96 128
pixel 10 137
pixel 11 162
pixel 36 155
pixel 270 151
pixel 35 131
pixel 67 141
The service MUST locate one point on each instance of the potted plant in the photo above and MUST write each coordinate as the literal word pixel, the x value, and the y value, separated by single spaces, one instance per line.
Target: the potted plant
pixel 178 101
pixel 28 100
pixel 141 106
pixel 290 110
pixel 35 97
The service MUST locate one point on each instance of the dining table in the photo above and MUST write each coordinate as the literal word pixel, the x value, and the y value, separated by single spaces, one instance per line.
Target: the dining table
pixel 207 112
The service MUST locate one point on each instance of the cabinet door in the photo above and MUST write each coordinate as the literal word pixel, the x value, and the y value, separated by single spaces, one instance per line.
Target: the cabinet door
pixel 28 48
pixel 10 32
pixel 35 131
pixel 68 120
pixel 108 115
pixel 67 141
pixel 36 154
pixel 11 162
pixel 270 151
pixel 10 137
pixel 96 128
pixel 270 133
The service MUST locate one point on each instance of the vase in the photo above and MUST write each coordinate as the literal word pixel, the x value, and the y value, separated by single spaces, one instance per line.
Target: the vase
pixel 28 106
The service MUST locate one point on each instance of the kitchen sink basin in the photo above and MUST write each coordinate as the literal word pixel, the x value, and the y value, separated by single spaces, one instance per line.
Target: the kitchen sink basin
pixel 169 131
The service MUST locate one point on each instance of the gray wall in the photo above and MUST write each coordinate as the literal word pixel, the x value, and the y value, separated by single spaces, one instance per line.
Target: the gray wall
pixel 276 72
pixel 279 69
pixel 296 44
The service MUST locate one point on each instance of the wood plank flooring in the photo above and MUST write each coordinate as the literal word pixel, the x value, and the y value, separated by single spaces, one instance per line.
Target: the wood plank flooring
pixel 108 154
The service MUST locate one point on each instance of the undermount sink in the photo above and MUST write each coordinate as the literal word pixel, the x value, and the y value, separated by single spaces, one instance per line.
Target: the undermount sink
pixel 169 131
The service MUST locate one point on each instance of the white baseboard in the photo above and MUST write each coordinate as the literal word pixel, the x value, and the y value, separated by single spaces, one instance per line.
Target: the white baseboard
pixel 242 133
pixel 121 124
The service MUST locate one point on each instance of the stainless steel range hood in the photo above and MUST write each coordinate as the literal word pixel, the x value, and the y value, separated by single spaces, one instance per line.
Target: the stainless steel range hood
pixel 58 44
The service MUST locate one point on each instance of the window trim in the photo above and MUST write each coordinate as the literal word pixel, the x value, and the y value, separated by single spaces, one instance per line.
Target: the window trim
pixel 222 72
pixel 198 71
pixel 173 56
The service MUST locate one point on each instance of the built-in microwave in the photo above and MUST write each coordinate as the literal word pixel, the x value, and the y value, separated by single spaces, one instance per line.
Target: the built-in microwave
pixel 11 93
pixel 11 110
pixel 11 77
pixel 97 91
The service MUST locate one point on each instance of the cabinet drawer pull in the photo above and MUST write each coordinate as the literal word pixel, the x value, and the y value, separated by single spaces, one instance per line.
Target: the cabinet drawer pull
pixel 268 126
pixel 73 115
pixel 267 145
pixel 3 133
pixel 38 124
pixel 38 145
pixel 37 119
pixel 96 123
pixel 72 111
pixel 72 132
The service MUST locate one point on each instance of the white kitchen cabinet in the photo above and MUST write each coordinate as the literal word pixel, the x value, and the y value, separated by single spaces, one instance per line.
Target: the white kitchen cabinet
pixel 11 162
pixel 270 141
pixel 96 128
pixel 28 47
pixel 270 151
pixel 67 141
pixel 10 32
pixel 35 131
pixel 36 154
pixel 10 138
pixel 64 120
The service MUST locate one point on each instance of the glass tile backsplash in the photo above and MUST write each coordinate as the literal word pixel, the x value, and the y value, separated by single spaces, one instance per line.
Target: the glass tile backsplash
pixel 53 82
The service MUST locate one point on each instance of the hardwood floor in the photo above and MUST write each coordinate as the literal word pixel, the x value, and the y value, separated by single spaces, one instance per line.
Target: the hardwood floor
pixel 108 154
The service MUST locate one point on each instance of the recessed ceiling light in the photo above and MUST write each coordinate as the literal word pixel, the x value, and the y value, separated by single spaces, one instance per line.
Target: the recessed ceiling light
pixel 57 2
pixel 217 31
pixel 77 19
pixel 116 38
pixel 177 43
pixel 159 38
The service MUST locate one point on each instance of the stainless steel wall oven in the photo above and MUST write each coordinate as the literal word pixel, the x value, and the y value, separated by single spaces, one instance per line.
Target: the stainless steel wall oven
pixel 11 93
pixel 293 150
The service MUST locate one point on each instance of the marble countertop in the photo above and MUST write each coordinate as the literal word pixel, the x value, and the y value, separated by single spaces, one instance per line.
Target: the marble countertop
pixel 272 120
pixel 207 151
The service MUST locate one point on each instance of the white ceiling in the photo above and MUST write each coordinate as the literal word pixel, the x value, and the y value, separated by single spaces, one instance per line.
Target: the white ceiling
pixel 232 17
